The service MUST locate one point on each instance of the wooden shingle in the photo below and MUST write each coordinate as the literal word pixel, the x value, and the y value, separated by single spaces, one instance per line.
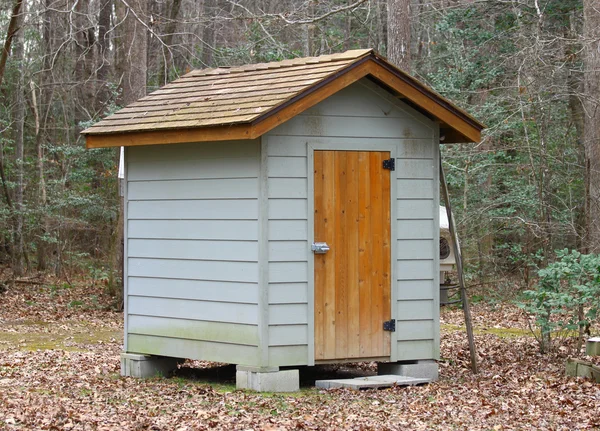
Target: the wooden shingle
pixel 206 104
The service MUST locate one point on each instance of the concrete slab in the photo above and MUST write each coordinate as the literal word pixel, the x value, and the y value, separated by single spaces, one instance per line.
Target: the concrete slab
pixel 273 381
pixel 592 346
pixel 371 382
pixel 423 369
pixel 579 368
pixel 143 366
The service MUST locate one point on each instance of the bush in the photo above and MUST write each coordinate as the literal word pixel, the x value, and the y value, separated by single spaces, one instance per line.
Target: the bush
pixel 566 298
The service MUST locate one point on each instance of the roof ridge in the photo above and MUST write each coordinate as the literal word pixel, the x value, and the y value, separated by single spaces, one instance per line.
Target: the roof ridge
pixel 326 58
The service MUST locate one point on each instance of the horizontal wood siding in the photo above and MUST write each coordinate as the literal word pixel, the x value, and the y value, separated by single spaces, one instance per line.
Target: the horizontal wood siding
pixel 360 116
pixel 186 348
pixel 417 270
pixel 288 277
pixel 192 251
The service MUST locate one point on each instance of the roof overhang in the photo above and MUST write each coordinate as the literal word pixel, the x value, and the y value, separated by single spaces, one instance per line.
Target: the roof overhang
pixel 456 125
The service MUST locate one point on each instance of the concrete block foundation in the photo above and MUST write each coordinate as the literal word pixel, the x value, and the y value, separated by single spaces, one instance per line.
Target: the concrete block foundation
pixel 425 369
pixel 592 347
pixel 579 368
pixel 144 366
pixel 267 379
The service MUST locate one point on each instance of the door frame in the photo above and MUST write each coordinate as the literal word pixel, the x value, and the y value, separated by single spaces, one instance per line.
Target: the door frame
pixel 350 144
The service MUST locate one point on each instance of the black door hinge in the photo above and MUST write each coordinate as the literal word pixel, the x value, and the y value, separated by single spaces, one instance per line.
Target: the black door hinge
pixel 390 325
pixel 389 164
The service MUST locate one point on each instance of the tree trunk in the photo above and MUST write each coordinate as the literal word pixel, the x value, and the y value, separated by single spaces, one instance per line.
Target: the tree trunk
pixel 398 33
pixel 133 67
pixel 84 59
pixel 208 33
pixel 348 29
pixel 133 60
pixel 591 77
pixel 103 93
pixel 19 123
pixel 167 55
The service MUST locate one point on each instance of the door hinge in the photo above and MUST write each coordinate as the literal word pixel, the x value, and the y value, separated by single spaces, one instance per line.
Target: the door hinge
pixel 390 325
pixel 389 164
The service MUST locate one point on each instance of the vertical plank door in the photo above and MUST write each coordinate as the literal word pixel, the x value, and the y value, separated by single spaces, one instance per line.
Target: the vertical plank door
pixel 352 280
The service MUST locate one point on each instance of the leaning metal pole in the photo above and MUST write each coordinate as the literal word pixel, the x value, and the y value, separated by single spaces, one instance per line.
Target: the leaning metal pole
pixel 459 268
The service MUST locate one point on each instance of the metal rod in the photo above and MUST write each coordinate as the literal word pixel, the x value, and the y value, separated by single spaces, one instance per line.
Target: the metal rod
pixel 459 268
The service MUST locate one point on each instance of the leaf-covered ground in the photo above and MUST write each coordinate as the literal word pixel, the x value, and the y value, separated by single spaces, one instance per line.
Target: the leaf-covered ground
pixel 59 369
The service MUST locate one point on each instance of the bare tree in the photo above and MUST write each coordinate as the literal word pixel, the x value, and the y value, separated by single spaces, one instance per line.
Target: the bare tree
pixel 18 135
pixel 591 36
pixel 398 33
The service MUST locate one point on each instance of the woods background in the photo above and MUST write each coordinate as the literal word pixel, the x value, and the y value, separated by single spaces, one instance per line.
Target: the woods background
pixel 529 69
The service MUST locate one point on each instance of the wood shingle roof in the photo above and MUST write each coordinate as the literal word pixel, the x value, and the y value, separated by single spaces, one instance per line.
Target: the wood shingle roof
pixel 245 102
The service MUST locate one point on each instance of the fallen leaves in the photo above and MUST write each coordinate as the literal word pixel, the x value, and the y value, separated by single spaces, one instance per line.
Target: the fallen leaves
pixel 80 389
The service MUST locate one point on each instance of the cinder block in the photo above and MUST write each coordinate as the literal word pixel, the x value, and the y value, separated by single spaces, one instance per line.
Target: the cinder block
pixel 592 347
pixel 579 368
pixel 275 381
pixel 425 369
pixel 143 366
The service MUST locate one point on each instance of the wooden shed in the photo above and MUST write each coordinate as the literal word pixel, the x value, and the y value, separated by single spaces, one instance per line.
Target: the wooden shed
pixel 235 176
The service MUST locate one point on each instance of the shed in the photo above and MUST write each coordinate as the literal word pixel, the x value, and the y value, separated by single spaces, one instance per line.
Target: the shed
pixel 233 178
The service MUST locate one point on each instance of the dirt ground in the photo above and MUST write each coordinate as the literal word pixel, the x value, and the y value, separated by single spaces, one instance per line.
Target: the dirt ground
pixel 59 370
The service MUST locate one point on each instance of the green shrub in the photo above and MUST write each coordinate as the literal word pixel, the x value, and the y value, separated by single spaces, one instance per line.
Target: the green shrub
pixel 566 299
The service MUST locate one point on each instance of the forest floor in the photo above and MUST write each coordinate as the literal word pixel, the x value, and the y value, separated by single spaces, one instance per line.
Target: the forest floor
pixel 59 369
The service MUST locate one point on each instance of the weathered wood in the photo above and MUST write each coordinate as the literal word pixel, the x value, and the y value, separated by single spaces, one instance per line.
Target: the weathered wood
pixel 287 355
pixel 213 105
pixel 193 349
pixel 244 82
pixel 191 79
pixel 227 92
pixel 301 94
pixel 459 267
pixel 168 117
pixel 233 333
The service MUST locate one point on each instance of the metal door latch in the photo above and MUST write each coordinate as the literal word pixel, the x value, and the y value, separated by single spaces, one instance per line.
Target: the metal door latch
pixel 319 247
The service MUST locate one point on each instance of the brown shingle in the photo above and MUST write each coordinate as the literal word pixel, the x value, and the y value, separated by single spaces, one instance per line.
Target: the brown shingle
pixel 247 101
pixel 224 96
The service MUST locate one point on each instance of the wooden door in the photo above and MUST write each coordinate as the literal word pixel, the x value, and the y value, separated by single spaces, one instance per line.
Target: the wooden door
pixel 352 280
